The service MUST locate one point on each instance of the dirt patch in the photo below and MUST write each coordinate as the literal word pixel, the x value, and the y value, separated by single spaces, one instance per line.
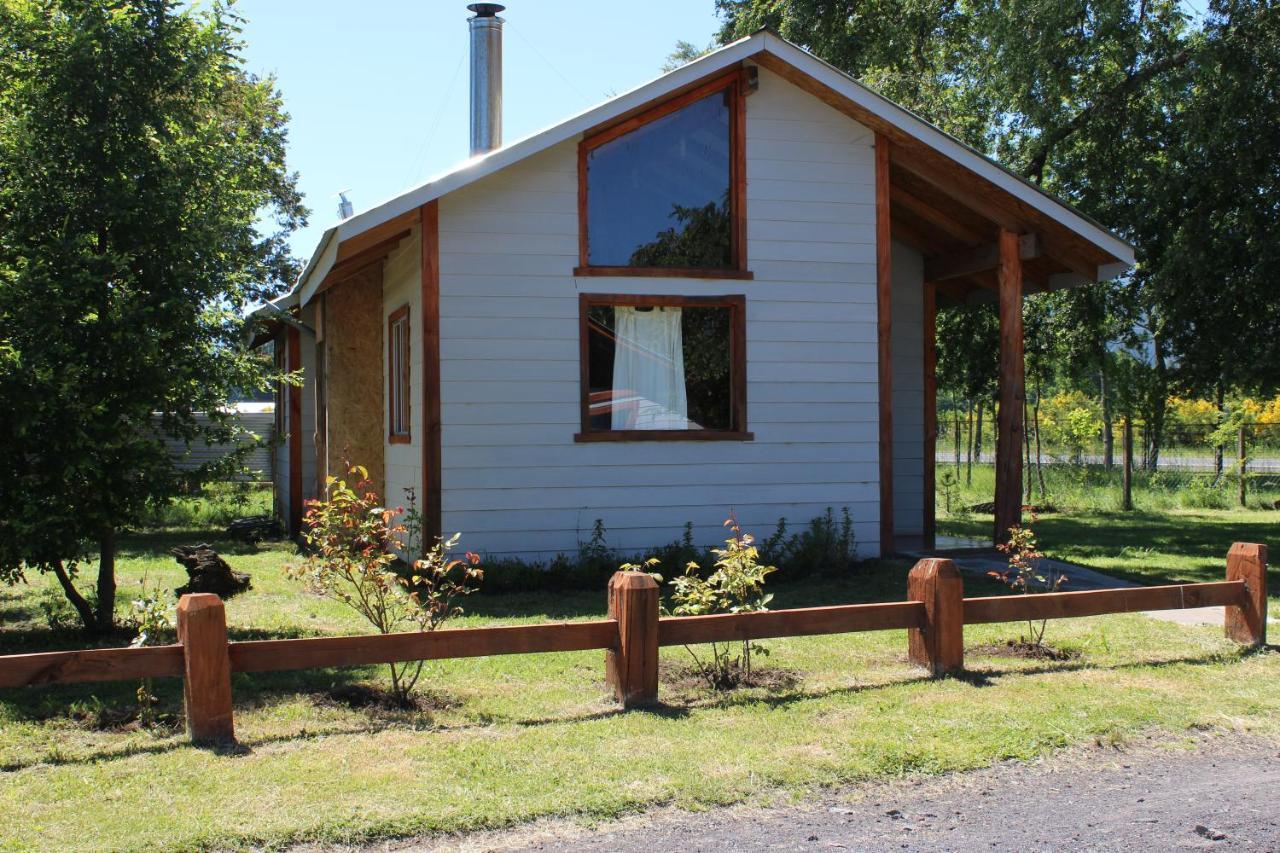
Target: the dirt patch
pixel 368 697
pixel 121 720
pixel 685 678
pixel 1023 649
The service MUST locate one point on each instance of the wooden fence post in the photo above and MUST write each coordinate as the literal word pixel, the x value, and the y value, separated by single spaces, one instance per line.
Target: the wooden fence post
pixel 938 645
pixel 1248 623
pixel 206 686
pixel 632 668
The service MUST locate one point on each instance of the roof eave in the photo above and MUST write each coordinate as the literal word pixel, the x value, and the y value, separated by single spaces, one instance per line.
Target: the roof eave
pixel 325 254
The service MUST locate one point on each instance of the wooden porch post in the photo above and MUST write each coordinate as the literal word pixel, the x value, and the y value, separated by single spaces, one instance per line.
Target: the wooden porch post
pixel 1009 427
pixel 884 351
pixel 294 393
pixel 429 270
pixel 930 413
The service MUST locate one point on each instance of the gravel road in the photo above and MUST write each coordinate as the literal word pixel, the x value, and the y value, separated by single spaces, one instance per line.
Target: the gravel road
pixel 1211 793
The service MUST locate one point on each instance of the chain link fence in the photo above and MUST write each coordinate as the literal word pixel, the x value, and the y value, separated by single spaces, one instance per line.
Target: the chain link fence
pixel 1080 468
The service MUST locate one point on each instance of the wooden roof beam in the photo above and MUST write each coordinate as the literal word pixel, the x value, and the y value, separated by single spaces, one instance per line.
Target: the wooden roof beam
pixel 907 232
pixel 979 259
pixel 972 192
pixel 930 213
pixel 963 186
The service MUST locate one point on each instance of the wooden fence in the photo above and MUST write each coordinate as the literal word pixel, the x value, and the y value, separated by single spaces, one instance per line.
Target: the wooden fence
pixel 934 616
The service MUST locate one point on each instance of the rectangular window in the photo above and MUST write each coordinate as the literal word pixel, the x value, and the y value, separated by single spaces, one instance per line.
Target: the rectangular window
pixel 398 375
pixel 663 367
pixel 662 193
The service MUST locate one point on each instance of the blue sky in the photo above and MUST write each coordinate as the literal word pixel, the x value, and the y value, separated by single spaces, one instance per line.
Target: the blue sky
pixel 377 91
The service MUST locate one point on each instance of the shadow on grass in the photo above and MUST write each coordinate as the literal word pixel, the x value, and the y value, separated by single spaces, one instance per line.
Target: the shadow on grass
pixel 261 689
pixel 13 608
pixel 156 543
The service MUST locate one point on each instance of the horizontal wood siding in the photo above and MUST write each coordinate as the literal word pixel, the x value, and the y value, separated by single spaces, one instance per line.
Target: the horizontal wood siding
pixel 908 391
pixel 515 482
pixel 261 424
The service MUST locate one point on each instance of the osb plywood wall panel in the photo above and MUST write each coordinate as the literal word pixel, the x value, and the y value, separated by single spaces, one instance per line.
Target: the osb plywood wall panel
pixel 354 347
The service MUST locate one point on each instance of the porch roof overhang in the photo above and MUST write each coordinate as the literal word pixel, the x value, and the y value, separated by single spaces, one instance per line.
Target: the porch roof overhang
pixel 948 197
pixel 268 320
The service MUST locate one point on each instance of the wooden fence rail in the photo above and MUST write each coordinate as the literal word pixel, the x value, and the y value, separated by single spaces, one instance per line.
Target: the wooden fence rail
pixel 934 615
pixel 276 655
pixel 1094 602
pixel 844 619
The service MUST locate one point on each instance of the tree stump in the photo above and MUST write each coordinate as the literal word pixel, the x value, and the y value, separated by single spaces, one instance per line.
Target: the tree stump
pixel 208 572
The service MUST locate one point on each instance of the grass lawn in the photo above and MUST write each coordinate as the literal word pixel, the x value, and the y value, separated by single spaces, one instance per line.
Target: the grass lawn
pixel 1149 545
pixel 507 739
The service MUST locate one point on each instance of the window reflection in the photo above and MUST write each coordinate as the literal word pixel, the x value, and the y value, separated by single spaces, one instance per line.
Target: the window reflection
pixel 659 196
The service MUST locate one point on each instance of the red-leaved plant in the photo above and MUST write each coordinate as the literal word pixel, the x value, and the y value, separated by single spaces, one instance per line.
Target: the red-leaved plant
pixel 1024 575
pixel 354 541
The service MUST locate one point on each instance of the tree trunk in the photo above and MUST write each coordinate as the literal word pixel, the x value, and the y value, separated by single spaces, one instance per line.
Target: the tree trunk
pixel 1240 451
pixel 1039 449
pixel 106 615
pixel 977 436
pixel 968 472
pixel 1127 484
pixel 1026 436
pixel 1160 399
pixel 955 420
pixel 1108 438
pixel 1218 449
pixel 73 595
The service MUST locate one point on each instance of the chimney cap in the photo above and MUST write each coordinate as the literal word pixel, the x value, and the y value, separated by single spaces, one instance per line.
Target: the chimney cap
pixel 486 10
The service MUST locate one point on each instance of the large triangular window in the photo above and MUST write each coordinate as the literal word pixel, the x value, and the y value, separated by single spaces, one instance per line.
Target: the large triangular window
pixel 663 189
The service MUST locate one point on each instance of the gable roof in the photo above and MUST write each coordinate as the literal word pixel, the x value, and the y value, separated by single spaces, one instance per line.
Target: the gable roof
pixel 777 54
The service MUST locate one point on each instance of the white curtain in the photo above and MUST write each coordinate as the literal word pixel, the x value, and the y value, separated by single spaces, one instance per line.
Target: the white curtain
pixel 648 370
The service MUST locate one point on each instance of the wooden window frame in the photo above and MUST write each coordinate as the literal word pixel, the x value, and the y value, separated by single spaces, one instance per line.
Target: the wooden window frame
pixel 736 84
pixel 395 317
pixel 737 305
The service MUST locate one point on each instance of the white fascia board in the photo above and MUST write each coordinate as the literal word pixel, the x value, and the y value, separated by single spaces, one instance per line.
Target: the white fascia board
pixel 949 147
pixel 322 260
pixel 274 307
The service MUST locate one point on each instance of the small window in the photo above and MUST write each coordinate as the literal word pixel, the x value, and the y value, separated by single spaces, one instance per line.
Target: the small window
pixel 398 375
pixel 663 367
pixel 664 189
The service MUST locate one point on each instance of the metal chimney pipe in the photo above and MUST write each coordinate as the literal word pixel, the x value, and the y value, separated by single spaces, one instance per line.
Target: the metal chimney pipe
pixel 486 77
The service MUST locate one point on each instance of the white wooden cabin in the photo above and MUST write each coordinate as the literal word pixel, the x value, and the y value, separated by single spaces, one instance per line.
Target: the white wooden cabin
pixel 498 341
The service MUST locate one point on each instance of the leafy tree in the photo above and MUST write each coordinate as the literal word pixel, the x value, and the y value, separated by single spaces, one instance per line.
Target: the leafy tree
pixel 1216 267
pixel 968 360
pixel 683 53
pixel 139 161
pixel 1166 128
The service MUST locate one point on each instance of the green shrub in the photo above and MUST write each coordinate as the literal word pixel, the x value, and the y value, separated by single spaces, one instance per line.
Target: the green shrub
pixel 216 505
pixel 151 615
pixel 1203 493
pixel 736 585
pixel 826 546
